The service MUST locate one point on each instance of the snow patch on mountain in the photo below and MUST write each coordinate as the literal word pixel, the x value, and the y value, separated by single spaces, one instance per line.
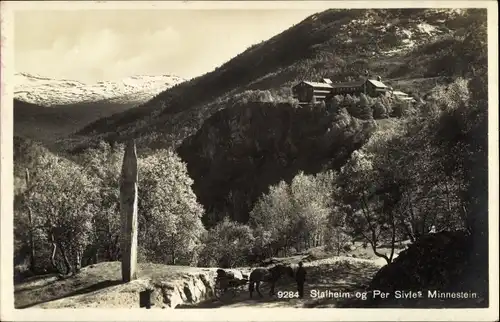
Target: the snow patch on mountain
pixel 428 29
pixel 412 36
pixel 45 91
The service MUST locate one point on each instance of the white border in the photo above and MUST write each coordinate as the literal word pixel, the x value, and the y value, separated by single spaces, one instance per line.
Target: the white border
pixel 247 314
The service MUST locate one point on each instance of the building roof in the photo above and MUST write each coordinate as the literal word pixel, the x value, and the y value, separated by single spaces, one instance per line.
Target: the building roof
pixel 316 84
pixel 399 93
pixel 405 98
pixel 359 83
pixel 348 84
pixel 377 83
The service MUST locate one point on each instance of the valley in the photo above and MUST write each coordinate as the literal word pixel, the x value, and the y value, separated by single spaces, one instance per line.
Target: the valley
pixel 48 109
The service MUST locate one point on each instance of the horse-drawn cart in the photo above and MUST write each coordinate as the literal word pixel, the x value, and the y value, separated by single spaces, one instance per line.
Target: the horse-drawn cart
pixel 233 279
pixel 229 281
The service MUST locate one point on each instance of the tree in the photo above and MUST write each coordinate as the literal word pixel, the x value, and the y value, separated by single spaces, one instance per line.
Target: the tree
pixel 337 237
pixel 379 110
pixel 476 164
pixel 334 104
pixel 348 101
pixel 228 244
pixel 371 190
pixel 359 108
pixel 31 228
pixel 170 224
pixel 311 200
pixel 272 216
pixel 475 46
pixel 366 214
pixel 60 198
pixel 295 214
pixel 321 105
pixel 399 108
pixel 104 164
pixel 462 141
pixel 365 111
pixel 30 159
pixel 404 180
pixel 263 246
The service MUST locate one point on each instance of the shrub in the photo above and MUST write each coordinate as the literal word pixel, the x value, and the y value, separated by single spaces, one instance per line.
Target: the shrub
pixel 337 241
pixel 334 104
pixel 379 111
pixel 399 108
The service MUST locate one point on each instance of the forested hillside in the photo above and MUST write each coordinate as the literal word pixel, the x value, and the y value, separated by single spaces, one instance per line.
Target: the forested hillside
pixel 398 45
pixel 48 124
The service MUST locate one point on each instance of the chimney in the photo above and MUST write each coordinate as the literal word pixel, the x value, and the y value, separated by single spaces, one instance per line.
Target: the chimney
pixel 379 78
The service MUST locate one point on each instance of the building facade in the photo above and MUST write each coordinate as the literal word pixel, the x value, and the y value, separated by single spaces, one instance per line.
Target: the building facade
pixel 306 91
pixel 375 88
pixel 351 88
pixel 311 91
pixel 370 87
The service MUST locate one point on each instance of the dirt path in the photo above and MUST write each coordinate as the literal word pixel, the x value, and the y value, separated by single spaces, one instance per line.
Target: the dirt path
pixel 341 275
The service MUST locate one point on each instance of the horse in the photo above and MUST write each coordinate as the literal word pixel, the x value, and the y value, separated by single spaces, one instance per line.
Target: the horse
pixel 268 275
pixel 226 279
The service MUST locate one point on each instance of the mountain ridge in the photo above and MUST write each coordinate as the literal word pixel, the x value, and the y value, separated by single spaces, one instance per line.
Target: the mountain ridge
pixel 46 91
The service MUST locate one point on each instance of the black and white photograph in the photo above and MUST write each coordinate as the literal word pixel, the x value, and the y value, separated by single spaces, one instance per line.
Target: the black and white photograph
pixel 315 156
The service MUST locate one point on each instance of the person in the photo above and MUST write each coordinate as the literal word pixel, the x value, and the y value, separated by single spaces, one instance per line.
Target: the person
pixel 300 277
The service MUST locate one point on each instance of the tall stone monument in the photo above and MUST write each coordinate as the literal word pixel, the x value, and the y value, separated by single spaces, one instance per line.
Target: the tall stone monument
pixel 128 212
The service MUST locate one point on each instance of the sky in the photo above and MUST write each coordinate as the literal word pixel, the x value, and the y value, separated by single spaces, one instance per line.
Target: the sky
pixel 99 45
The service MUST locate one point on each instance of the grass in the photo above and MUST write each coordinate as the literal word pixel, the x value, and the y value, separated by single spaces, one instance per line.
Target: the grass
pixel 100 285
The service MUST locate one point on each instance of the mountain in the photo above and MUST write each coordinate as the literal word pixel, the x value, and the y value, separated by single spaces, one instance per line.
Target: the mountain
pixel 45 91
pixel 47 109
pixel 401 45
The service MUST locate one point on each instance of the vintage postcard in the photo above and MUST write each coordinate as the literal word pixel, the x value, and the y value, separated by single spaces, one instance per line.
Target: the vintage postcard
pixel 249 160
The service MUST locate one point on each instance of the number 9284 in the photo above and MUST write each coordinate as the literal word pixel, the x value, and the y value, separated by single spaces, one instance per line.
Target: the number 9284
pixel 287 294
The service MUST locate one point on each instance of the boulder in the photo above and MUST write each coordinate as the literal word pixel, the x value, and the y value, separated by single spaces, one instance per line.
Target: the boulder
pixel 231 274
pixel 436 261
pixel 269 262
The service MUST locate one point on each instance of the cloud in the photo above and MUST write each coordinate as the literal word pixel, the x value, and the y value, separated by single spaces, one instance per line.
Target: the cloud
pixel 98 45
pixel 115 53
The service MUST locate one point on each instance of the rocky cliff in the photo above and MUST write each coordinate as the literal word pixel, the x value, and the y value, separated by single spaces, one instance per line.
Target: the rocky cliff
pixel 100 286
pixel 242 150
